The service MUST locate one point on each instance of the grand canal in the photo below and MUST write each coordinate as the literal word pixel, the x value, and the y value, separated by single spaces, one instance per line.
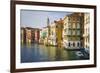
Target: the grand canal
pixel 41 53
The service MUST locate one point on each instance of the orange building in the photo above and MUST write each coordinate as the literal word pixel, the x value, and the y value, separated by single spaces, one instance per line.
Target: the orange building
pixel 30 35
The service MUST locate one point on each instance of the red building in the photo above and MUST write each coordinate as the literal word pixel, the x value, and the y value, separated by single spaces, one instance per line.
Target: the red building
pixel 37 35
pixel 30 35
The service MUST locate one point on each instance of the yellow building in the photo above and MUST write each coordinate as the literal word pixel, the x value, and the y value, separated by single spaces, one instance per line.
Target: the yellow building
pixel 23 35
pixel 59 32
pixel 28 35
pixel 54 35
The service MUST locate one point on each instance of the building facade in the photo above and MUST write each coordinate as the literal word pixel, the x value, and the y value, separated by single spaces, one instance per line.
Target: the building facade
pixel 23 35
pixel 30 35
pixel 44 36
pixel 53 34
pixel 36 35
pixel 59 31
pixel 73 31
pixel 86 34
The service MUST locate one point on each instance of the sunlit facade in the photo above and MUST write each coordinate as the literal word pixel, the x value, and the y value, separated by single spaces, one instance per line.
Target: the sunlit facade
pixel 73 30
pixel 53 34
pixel 86 34
pixel 59 32
pixel 23 35
pixel 30 35
pixel 44 36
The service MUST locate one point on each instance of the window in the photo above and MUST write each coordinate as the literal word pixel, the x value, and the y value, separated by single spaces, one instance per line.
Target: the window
pixel 73 32
pixel 65 24
pixel 74 25
pixel 78 44
pixel 69 44
pixel 81 44
pixel 69 32
pixel 74 18
pixel 69 18
pixel 88 39
pixel 78 32
pixel 56 27
pixel 78 25
pixel 69 25
pixel 73 44
pixel 89 19
pixel 56 40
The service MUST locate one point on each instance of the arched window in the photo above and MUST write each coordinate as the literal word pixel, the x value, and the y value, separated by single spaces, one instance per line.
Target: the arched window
pixel 69 44
pixel 73 44
pixel 81 44
pixel 78 44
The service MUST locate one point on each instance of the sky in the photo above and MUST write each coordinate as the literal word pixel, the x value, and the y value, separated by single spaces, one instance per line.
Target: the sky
pixel 38 19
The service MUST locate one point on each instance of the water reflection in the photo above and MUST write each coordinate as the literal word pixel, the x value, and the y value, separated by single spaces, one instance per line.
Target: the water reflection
pixel 40 53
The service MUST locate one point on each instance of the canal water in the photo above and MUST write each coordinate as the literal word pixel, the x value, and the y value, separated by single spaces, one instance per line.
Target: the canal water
pixel 42 53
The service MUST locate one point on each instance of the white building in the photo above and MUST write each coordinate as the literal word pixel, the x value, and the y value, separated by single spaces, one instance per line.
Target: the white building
pixel 53 34
pixel 44 36
pixel 86 34
pixel 72 31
